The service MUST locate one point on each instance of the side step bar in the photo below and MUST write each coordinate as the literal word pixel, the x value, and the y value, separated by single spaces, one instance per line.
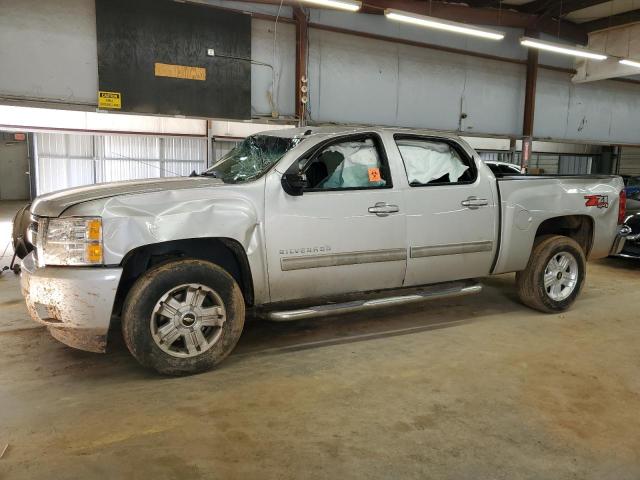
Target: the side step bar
pixel 446 290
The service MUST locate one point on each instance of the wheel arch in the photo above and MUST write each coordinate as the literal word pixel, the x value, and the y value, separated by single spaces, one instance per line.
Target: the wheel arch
pixel 225 252
pixel 578 227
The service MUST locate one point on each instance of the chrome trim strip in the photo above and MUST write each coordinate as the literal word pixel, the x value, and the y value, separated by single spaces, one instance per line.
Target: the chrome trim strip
pixel 451 249
pixel 429 293
pixel 339 259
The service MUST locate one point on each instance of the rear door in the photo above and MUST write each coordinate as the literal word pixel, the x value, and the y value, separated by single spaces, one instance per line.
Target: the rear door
pixel 450 209
pixel 346 232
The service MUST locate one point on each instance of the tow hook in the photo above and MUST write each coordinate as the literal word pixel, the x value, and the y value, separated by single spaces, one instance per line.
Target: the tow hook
pixel 624 230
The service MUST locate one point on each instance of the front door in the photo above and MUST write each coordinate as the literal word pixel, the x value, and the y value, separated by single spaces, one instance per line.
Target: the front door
pixel 14 169
pixel 345 233
pixel 451 212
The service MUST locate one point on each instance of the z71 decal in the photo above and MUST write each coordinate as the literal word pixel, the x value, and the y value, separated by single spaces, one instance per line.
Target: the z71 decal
pixel 600 201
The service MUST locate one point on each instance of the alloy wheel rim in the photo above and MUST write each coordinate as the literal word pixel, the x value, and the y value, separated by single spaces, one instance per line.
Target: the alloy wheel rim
pixel 561 276
pixel 187 320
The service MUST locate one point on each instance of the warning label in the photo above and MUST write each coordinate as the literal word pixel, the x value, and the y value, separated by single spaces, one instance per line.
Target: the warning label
pixel 110 100
pixel 180 71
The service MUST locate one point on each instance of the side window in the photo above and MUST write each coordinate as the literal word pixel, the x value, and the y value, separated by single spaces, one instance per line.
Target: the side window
pixel 433 162
pixel 494 168
pixel 506 170
pixel 353 163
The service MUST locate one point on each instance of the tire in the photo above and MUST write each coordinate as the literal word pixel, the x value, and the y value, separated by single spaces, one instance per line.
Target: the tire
pixel 549 254
pixel 164 337
pixel 21 222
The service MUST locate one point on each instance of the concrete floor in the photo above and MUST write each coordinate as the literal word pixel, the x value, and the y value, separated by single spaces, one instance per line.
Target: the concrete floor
pixel 475 387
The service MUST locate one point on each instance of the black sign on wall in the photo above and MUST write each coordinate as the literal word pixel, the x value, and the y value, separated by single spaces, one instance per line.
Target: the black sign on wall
pixel 154 56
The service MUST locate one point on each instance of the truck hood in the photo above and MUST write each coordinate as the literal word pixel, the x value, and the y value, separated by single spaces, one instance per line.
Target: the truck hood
pixel 55 203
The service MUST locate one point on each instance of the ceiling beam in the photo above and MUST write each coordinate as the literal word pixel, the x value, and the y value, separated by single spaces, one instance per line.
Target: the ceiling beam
pixel 612 21
pixel 486 16
pixel 554 8
pixel 484 3
pixel 461 12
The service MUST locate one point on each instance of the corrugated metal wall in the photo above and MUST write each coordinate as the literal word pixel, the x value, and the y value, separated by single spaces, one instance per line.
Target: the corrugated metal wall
pixel 222 147
pixel 574 165
pixel 551 163
pixel 70 160
pixel 630 161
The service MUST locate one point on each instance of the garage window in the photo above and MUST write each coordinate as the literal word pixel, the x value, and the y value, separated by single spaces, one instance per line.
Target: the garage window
pixel 434 162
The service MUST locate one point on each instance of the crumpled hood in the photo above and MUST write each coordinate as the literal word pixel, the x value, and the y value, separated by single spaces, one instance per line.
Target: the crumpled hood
pixel 53 204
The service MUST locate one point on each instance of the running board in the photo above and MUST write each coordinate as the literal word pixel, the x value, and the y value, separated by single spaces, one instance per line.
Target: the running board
pixel 446 290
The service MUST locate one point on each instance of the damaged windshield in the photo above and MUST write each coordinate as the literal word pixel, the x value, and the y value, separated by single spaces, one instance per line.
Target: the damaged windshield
pixel 251 158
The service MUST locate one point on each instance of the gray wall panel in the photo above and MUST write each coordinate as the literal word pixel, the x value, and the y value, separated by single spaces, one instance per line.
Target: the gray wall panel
pixel 352 80
pixel 48 49
pixel 493 98
pixel 360 80
pixel 603 111
pixel 430 81
pixel 284 64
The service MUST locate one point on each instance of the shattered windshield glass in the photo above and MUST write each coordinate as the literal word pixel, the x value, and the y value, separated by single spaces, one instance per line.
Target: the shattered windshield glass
pixel 251 158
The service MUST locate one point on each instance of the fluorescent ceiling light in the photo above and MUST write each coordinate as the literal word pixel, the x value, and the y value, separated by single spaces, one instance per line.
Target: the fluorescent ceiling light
pixel 630 63
pixel 351 5
pixel 560 48
pixel 440 24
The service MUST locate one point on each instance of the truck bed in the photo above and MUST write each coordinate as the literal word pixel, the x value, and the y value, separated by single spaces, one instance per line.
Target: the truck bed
pixel 551 196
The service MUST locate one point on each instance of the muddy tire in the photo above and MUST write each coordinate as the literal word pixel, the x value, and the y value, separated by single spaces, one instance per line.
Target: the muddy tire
pixel 183 317
pixel 21 222
pixel 554 276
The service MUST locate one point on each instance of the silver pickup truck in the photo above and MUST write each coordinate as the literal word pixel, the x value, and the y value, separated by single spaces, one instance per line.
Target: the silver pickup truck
pixel 299 223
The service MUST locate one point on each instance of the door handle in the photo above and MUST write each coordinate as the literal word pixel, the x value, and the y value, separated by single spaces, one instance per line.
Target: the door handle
pixel 383 209
pixel 474 202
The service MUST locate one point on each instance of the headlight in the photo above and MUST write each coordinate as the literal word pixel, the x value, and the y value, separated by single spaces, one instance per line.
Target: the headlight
pixel 71 241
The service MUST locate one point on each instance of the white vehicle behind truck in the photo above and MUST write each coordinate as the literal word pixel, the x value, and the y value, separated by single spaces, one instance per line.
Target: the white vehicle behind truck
pixel 302 223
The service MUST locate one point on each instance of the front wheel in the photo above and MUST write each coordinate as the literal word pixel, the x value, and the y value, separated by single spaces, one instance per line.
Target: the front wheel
pixel 554 275
pixel 183 317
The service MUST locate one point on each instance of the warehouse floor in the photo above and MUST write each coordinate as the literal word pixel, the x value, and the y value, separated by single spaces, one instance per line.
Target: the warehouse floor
pixel 475 387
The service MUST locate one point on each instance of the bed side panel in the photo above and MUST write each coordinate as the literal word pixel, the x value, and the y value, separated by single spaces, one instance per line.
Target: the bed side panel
pixel 529 201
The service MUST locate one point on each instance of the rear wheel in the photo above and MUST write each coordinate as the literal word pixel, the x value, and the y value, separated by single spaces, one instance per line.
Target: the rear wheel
pixel 183 317
pixel 554 276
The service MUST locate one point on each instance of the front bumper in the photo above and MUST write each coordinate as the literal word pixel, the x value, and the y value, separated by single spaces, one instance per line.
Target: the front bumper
pixel 75 303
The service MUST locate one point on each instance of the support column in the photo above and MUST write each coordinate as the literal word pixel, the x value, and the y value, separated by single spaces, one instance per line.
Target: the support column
pixel 529 103
pixel 302 39
pixel 210 156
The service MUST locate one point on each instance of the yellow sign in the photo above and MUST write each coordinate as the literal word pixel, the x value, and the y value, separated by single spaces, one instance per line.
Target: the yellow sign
pixel 180 71
pixel 110 100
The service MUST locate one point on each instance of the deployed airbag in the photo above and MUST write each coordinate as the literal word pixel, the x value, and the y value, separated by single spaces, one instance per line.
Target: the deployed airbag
pixel 429 161
pixel 354 171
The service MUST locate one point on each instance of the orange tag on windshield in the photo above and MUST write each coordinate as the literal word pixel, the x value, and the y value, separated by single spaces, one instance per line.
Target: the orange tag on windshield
pixel 374 174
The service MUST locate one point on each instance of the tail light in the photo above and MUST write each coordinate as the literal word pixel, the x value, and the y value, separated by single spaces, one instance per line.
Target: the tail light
pixel 622 207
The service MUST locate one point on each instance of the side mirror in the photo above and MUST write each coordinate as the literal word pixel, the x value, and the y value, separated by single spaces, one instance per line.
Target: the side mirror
pixel 294 183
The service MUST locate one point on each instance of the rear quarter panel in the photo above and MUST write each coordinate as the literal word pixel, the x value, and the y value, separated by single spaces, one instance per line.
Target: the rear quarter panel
pixel 528 201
